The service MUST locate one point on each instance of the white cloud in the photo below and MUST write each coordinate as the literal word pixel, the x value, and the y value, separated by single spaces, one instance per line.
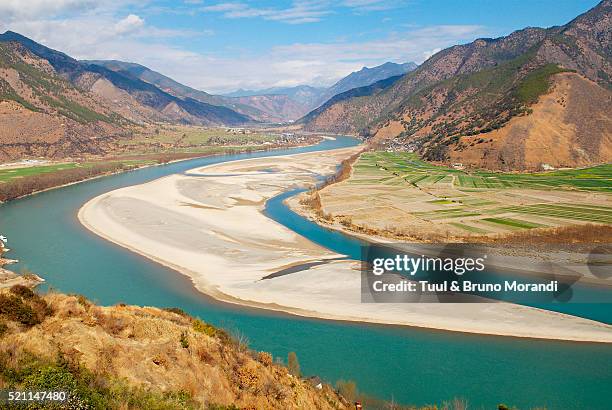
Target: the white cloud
pixel 23 9
pixel 300 11
pixel 429 53
pixel 373 5
pixel 106 34
pixel 35 8
pixel 129 24
pixel 315 63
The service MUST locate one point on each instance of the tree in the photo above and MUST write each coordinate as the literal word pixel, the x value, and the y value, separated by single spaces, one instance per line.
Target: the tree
pixel 293 364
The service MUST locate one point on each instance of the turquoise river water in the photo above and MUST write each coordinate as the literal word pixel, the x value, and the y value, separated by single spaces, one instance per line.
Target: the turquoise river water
pixel 414 366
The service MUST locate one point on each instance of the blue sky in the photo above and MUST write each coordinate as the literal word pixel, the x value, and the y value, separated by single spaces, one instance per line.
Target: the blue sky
pixel 220 46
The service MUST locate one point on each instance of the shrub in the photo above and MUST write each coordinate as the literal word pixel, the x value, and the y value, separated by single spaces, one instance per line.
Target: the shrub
pixel 205 356
pixel 176 310
pixel 22 291
pixel 184 340
pixel 293 364
pixel 87 390
pixel 16 310
pixel 264 358
pixel 83 301
pixel 202 327
pixel 51 377
pixel 248 378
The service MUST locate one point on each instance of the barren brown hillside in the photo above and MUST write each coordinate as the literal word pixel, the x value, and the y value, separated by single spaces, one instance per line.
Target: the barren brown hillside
pixel 133 357
pixel 42 114
pixel 570 126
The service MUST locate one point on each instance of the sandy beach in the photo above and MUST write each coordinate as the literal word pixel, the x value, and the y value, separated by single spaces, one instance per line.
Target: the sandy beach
pixel 209 225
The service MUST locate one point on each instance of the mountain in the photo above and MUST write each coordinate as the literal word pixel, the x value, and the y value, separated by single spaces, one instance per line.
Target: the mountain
pixel 53 105
pixel 267 108
pixel 367 76
pixel 135 99
pixel 302 99
pixel 536 96
pixel 281 103
pixel 161 81
pixel 301 93
pixel 44 114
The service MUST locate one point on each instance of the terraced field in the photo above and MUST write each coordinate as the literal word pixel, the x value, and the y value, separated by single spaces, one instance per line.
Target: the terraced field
pixel 415 171
pixel 399 191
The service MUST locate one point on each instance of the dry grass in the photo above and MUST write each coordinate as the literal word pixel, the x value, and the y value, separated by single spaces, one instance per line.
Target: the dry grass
pixel 159 351
pixel 571 234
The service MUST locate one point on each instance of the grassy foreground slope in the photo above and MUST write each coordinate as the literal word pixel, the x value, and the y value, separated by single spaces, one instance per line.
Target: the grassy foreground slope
pixel 139 358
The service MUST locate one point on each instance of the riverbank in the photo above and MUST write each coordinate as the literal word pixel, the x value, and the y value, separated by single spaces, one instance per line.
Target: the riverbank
pixel 208 224
pixel 9 279
pixel 24 187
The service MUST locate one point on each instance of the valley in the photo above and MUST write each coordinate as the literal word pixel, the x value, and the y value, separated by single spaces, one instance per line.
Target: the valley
pixel 209 190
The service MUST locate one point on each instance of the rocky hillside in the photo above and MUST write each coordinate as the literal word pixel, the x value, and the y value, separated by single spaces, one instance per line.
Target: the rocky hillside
pixel 139 358
pixel 463 96
pixel 139 96
pixel 44 114
pixel 243 106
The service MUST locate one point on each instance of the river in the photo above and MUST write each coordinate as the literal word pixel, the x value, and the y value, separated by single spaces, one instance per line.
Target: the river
pixel 411 365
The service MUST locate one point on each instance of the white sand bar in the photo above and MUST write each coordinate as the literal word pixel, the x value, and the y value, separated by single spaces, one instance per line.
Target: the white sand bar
pixel 209 224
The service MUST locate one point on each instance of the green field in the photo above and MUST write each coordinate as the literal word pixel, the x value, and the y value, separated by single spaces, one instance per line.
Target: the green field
pixel 480 201
pixel 7 175
pixel 407 167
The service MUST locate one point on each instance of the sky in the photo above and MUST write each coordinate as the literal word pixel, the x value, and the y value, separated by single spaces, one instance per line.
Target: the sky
pixel 220 46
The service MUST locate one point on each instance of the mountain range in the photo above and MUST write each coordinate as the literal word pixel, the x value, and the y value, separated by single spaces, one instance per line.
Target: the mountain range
pixel 54 105
pixel 537 96
pixel 302 99
pixel 278 104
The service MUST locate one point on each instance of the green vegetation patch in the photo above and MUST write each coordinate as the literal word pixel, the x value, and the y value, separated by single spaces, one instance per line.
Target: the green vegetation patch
pixel 417 172
pixel 441 201
pixel 86 389
pixel 13 173
pixel 537 83
pixel 574 212
pixel 514 223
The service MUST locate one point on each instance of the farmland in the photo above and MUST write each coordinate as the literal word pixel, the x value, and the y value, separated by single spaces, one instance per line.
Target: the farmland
pixel 398 192
pixel 10 174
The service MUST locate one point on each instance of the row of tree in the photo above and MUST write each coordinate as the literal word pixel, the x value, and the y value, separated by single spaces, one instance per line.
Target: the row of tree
pixel 19 187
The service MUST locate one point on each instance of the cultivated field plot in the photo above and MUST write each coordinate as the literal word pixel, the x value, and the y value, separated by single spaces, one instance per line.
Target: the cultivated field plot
pixel 397 191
